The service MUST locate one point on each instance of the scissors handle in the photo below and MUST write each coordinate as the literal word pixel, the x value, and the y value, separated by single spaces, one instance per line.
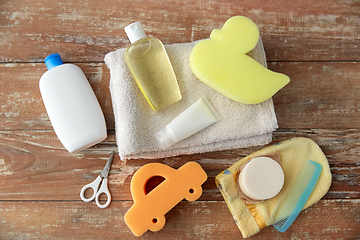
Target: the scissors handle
pixel 103 189
pixel 94 185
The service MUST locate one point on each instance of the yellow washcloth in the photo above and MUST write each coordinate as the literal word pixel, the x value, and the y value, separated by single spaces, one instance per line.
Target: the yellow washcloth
pixel 294 153
pixel 221 63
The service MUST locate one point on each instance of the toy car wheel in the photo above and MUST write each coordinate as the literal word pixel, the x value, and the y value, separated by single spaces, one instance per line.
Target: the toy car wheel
pixel 157 223
pixel 193 194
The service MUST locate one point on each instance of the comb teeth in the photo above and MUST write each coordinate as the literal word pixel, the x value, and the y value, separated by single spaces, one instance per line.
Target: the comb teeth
pixel 299 195
pixel 281 223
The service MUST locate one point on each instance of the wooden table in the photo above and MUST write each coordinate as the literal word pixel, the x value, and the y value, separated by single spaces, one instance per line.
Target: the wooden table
pixel 315 42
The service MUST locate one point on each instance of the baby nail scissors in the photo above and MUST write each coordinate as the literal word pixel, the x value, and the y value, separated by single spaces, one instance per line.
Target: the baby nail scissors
pixel 95 186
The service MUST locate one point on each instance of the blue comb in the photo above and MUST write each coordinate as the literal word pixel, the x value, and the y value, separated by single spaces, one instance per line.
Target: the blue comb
pixel 295 202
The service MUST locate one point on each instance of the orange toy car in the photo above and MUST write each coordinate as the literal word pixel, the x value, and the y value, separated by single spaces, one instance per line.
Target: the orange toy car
pixel 148 211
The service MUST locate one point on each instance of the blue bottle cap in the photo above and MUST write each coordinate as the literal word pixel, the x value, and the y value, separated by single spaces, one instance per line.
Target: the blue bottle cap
pixel 53 60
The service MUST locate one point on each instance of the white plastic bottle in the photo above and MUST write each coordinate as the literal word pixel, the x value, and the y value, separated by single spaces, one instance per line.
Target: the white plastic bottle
pixel 150 66
pixel 71 104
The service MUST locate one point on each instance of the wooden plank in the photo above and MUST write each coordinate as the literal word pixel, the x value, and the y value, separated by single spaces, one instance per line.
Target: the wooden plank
pixel 21 103
pixel 35 166
pixel 328 219
pixel 319 95
pixel 301 30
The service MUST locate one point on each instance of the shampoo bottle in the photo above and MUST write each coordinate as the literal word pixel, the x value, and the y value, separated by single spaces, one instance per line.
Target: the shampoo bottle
pixel 150 66
pixel 71 104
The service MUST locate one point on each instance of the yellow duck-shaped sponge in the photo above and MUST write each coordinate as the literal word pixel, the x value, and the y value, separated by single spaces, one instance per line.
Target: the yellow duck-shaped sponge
pixel 221 63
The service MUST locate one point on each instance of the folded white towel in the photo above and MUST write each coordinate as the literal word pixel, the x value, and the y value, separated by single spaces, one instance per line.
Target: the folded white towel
pixel 136 123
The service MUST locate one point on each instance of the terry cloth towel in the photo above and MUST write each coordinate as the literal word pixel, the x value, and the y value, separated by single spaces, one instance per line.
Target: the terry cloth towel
pixel 294 153
pixel 136 123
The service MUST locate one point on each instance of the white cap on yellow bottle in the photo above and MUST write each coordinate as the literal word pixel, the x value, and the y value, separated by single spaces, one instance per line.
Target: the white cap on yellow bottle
pixel 135 32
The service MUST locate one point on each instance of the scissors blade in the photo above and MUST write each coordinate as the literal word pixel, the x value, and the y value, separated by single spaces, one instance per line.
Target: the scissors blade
pixel 105 172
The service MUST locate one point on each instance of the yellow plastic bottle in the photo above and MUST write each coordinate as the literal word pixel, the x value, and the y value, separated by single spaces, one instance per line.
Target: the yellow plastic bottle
pixel 150 66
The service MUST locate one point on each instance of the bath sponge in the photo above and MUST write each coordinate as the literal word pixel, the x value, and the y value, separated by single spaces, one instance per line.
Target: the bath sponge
pixel 148 211
pixel 221 63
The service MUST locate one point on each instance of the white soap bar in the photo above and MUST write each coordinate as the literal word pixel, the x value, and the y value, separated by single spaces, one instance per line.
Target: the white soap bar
pixel 262 178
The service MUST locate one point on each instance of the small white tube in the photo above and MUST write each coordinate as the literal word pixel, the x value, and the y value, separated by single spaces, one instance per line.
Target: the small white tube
pixel 195 118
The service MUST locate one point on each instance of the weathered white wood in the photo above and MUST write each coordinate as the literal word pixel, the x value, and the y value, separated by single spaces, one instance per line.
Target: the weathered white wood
pixel 319 95
pixel 328 219
pixel 35 166
pixel 298 30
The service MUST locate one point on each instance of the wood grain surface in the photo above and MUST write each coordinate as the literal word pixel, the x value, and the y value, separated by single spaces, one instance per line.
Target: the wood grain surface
pixel 314 42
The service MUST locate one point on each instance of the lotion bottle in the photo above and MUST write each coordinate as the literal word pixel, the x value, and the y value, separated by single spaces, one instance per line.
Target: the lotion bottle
pixel 71 104
pixel 150 66
pixel 195 118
